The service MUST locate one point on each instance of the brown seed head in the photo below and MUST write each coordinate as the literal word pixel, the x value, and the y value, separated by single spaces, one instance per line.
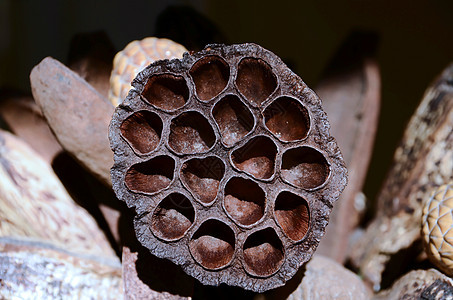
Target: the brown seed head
pixel 227 159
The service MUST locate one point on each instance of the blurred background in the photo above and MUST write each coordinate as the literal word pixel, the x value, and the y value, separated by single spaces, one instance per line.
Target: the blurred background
pixel 415 41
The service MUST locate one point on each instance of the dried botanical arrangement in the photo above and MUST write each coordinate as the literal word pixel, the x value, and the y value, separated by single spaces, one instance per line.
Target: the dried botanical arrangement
pixel 389 254
pixel 226 157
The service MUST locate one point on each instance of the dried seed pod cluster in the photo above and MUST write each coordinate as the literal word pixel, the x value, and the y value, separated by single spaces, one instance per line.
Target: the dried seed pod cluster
pixel 437 228
pixel 227 159
pixel 134 58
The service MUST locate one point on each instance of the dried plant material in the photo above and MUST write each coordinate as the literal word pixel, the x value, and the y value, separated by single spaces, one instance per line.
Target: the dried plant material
pixel 233 196
pixel 25 119
pixel 91 55
pixel 140 282
pixel 35 204
pixel 420 284
pixel 134 58
pixel 322 278
pixel 77 114
pixel 437 224
pixel 350 91
pixel 37 270
pixel 423 161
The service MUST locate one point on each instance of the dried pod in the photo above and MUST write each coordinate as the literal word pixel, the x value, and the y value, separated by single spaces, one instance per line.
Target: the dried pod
pixel 134 58
pixel 31 269
pixel 419 284
pixel 227 159
pixel 437 224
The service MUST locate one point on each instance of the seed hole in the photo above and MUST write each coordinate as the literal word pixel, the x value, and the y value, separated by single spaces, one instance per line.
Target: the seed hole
pixel 263 253
pixel 287 119
pixel 150 176
pixel 212 245
pixel 305 167
pixel 173 217
pixel 244 200
pixel 210 75
pixel 255 80
pixel 202 177
pixel 292 213
pixel 256 158
pixel 166 91
pixel 191 133
pixel 233 118
pixel 142 130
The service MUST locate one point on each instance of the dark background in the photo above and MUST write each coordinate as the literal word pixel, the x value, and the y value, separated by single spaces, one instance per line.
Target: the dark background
pixel 415 41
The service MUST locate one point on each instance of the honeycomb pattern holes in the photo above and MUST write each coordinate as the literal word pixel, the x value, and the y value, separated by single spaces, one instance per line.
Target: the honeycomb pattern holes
pixel 305 167
pixel 263 253
pixel 233 118
pixel 255 80
pixel 212 245
pixel 202 177
pixel 243 148
pixel 244 201
pixel 191 133
pixel 173 217
pixel 256 157
pixel 287 119
pixel 166 91
pixel 142 130
pixel 210 75
pixel 150 176
pixel 292 214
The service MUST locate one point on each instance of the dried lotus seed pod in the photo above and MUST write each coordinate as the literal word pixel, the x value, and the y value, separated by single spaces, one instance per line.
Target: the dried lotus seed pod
pixel 134 58
pixel 437 228
pixel 227 159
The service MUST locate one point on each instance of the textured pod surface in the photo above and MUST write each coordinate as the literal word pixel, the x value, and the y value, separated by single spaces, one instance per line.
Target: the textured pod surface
pixel 419 284
pixel 423 161
pixel 38 270
pixel 437 222
pixel 326 279
pixel 134 58
pixel 227 159
pixel 35 204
